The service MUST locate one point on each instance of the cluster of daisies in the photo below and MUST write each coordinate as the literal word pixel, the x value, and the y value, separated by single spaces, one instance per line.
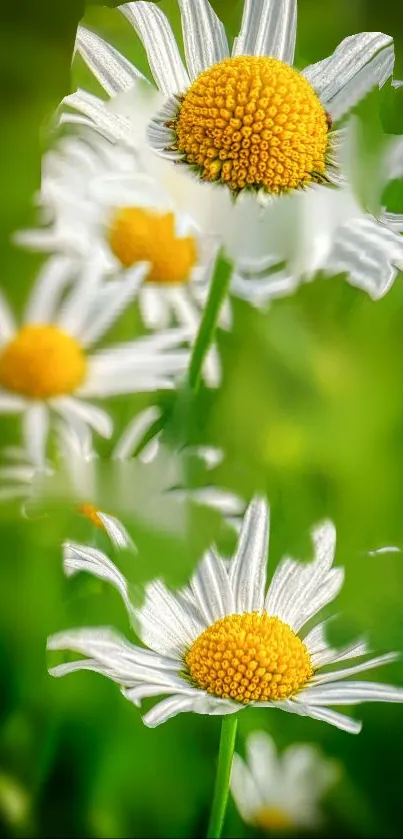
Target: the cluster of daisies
pixel 233 153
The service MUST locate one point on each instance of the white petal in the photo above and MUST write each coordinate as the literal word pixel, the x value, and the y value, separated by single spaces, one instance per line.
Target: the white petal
pixel 336 675
pixel 116 531
pixel 168 708
pixel 294 706
pixel 10 404
pixel 394 159
pixel 154 30
pixel 350 693
pixel 204 36
pixel 167 624
pixel 82 558
pixel 219 499
pixel 268 27
pixel 114 72
pixel 244 791
pixel 248 566
pixel 211 589
pixel 94 113
pixel 114 656
pixel 75 309
pixel 135 432
pixel 154 307
pixel 76 412
pixel 56 273
pixel 8 326
pixel 124 292
pixel 170 685
pixel 369 253
pixel 264 765
pixel 297 591
pixel 357 65
pixel 35 431
pixel 197 701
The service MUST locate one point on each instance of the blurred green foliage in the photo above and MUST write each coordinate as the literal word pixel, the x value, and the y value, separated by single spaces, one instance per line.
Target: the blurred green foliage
pixel 311 411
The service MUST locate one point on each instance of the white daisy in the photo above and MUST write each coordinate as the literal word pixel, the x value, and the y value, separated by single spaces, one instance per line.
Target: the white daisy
pixel 221 644
pixel 97 202
pixel 45 366
pixel 150 486
pixel 276 792
pixel 255 93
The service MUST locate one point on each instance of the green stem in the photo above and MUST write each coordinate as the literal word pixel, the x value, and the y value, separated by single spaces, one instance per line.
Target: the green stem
pixel 218 290
pixel 227 743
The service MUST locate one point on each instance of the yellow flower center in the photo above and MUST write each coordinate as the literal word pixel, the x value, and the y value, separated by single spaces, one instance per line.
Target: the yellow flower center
pixel 273 819
pixel 42 361
pixel 249 657
pixel 253 121
pixel 92 514
pixel 138 235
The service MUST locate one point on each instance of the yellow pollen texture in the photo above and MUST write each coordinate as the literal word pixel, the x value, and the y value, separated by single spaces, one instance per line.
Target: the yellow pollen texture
pixel 138 235
pixel 253 121
pixel 249 657
pixel 91 513
pixel 42 361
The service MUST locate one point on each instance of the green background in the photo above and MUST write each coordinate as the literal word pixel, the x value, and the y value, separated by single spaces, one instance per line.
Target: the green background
pixel 311 411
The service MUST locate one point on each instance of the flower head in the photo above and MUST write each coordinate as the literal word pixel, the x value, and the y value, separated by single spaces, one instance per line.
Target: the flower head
pixel 276 792
pixel 258 129
pixel 223 644
pixel 45 364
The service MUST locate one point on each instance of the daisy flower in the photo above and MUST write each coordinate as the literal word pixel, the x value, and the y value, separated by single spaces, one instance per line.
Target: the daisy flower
pixel 96 202
pixel 280 793
pixel 247 123
pixel 45 364
pixel 223 644
pixel 150 485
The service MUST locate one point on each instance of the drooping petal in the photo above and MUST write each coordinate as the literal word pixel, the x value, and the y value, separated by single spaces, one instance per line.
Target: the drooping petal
pixel 113 71
pixel 350 693
pixel 358 64
pixel 114 656
pixel 95 113
pixel 248 567
pixel 204 37
pixel 154 30
pixel 336 675
pixel 369 253
pixel 76 412
pixel 93 561
pixel 168 708
pixel 268 27
pixel 303 709
pixel 116 531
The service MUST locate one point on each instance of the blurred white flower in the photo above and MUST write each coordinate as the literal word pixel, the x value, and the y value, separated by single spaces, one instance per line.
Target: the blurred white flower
pixel 275 243
pixel 97 202
pixel 150 485
pixel 276 792
pixel 45 366
pixel 195 636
